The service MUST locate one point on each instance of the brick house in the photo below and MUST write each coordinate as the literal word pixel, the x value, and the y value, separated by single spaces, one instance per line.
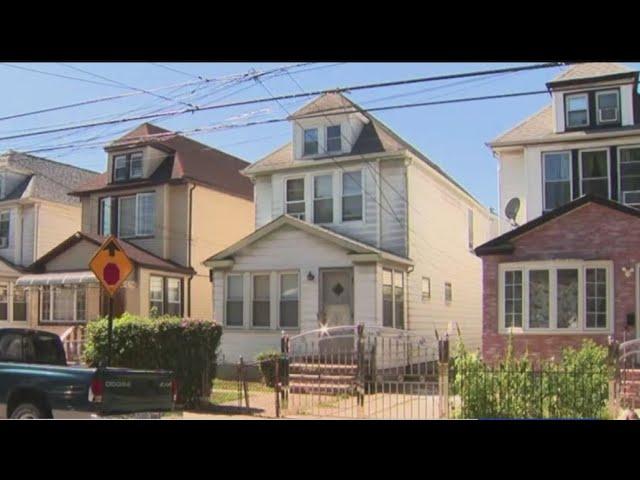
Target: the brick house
pixel 570 274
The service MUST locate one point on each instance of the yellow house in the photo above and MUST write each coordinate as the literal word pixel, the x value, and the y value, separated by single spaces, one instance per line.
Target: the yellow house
pixel 170 200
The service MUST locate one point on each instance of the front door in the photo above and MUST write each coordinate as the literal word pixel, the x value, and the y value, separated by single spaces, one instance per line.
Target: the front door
pixel 336 297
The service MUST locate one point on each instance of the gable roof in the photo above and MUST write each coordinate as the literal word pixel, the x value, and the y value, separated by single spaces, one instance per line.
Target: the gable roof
pixel 137 255
pixel 503 244
pixel 538 128
pixel 591 70
pixel 375 138
pixel 315 230
pixel 45 179
pixel 187 160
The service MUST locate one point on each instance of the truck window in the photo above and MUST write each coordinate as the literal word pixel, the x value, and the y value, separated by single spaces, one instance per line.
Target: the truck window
pixel 48 350
pixel 11 347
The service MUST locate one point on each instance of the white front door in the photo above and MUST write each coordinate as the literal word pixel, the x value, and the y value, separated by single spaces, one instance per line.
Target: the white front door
pixel 336 297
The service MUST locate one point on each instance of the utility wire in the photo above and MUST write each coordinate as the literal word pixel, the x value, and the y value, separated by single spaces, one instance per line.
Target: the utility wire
pixel 308 94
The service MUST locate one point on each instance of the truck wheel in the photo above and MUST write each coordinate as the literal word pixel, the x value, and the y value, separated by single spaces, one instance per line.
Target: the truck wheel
pixel 27 411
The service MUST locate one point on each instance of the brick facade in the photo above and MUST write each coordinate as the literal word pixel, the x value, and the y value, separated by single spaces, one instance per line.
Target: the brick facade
pixel 589 232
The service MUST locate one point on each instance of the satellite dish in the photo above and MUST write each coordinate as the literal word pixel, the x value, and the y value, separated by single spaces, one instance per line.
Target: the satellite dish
pixel 512 209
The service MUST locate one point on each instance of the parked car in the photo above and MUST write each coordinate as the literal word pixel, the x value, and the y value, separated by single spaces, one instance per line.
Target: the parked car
pixel 35 382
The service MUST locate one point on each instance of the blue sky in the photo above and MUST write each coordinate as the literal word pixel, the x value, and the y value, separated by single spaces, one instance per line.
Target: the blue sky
pixel 452 135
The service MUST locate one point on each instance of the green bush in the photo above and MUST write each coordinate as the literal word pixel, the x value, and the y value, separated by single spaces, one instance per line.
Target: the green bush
pixel 267 362
pixel 574 387
pixel 186 347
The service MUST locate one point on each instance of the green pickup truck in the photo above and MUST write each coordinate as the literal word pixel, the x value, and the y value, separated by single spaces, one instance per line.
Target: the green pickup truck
pixel 35 382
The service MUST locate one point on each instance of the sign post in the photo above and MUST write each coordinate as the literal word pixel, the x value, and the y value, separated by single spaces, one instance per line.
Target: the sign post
pixel 111 266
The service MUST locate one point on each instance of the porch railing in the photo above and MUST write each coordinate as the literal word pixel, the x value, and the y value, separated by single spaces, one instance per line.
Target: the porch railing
pixel 74 341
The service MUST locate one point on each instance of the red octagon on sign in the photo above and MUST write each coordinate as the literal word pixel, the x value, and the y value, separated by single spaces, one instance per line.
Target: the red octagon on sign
pixel 111 273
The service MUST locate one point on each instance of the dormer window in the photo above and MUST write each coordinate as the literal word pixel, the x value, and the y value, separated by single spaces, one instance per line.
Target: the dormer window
pixel 608 106
pixel 334 138
pixel 577 107
pixel 310 141
pixel 127 166
pixel 3 188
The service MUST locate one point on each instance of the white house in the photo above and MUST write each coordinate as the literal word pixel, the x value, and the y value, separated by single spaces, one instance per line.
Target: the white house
pixel 586 140
pixel 36 213
pixel 353 225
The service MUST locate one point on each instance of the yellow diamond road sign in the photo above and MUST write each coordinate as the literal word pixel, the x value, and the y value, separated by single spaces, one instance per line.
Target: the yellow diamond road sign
pixel 111 265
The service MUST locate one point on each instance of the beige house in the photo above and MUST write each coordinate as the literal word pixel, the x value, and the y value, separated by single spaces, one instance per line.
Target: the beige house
pixel 169 200
pixel 36 213
pixel 354 225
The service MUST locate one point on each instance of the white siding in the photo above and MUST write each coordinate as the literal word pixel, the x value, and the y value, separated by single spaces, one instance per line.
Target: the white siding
pixel 263 197
pixel 513 184
pixel 440 250
pixel 394 200
pixel 28 218
pixel 9 253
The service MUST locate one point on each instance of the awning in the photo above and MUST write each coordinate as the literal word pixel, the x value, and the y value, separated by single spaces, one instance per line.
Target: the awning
pixel 58 278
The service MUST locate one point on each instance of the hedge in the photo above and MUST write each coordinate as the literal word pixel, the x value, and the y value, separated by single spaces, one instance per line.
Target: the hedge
pixel 186 347
pixel 267 362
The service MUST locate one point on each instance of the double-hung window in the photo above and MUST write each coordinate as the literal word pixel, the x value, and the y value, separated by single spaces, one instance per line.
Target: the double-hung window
pixel 392 298
pixel 470 229
pixel 127 166
pixel 5 218
pixel 106 215
pixel 63 304
pixel 310 141
pixel 577 110
pixel 295 197
pixel 352 196
pixel 289 300
pixel 234 301
pixel 323 199
pixel 556 168
pixel 4 302
pixel 426 288
pixel 165 296
pixel 563 296
pixel 334 138
pixel 607 105
pixel 261 300
pixel 629 175
pixel 136 215
pixel 156 296
pixel 594 172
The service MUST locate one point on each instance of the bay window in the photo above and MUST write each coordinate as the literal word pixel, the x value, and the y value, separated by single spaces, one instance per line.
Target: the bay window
pixel 556 168
pixel 594 172
pixel 629 175
pixel 136 215
pixel 352 196
pixel 63 304
pixel 560 296
pixel 323 199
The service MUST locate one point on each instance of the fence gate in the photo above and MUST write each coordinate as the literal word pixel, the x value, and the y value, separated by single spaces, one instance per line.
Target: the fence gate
pixel 364 372
pixel 626 390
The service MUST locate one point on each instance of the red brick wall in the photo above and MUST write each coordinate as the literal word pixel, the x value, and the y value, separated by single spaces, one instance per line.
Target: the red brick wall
pixel 591 232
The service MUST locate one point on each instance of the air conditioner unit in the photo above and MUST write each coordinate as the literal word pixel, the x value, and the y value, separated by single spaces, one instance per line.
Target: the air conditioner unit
pixel 4 242
pixel 609 114
pixel 299 216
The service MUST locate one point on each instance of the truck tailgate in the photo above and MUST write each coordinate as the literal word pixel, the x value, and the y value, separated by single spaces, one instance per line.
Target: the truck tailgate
pixel 131 391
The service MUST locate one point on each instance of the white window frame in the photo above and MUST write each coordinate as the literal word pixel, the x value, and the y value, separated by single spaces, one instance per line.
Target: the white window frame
pixel 51 319
pixel 326 134
pixel 330 174
pixel 470 229
pixel 304 197
pixel 130 160
pixel 581 178
pixel 341 194
pixel 6 213
pixel 607 92
pixel 137 233
pixel 252 299
pixel 552 267
pixel 116 158
pixel 544 176
pixel 3 185
pixel 425 295
pixel 317 152
pixel 161 300
pixel 103 201
pixel 226 299
pixel 279 297
pixel 394 320
pixel 620 192
pixel 567 99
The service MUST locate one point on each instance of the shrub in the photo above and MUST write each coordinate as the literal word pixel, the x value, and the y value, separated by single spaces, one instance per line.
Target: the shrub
pixel 267 362
pixel 574 387
pixel 186 347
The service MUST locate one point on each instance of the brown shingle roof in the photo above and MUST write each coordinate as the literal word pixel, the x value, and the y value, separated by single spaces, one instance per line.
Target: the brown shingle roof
pixel 138 255
pixel 192 161
pixel 590 70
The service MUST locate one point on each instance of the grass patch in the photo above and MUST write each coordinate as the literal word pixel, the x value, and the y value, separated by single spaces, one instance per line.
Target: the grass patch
pixel 225 391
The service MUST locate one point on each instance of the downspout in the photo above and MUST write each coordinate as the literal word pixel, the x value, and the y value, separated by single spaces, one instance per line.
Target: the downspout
pixel 193 186
pixel 378 203
pixel 36 216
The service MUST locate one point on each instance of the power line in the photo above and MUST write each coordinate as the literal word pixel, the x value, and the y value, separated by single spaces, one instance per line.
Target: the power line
pixel 175 70
pixel 59 75
pixel 307 94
